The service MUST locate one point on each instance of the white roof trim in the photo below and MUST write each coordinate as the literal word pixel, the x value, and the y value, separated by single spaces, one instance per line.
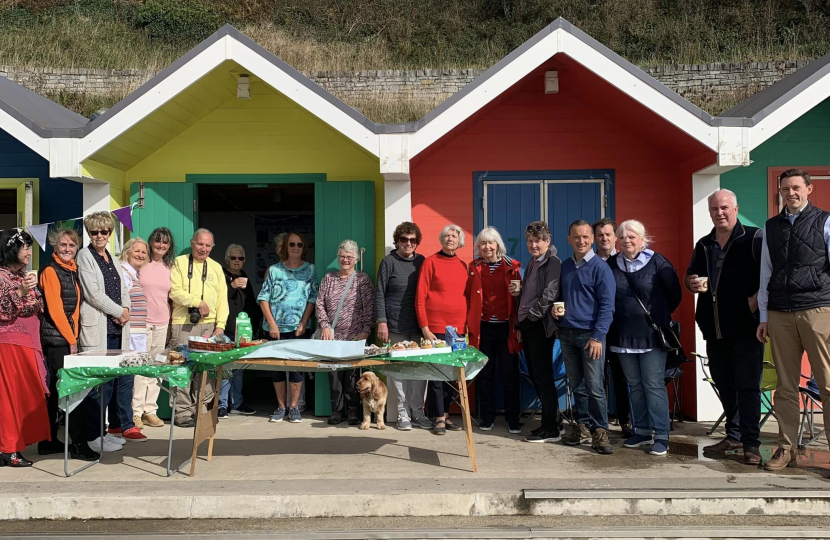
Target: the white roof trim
pixel 789 112
pixel 226 48
pixel 32 140
pixel 563 41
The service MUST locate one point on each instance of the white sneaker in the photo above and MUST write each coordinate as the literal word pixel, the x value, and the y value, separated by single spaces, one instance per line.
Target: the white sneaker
pixel 117 439
pixel 108 445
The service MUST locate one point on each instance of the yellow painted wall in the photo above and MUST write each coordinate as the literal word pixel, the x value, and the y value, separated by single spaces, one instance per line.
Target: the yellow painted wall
pixel 268 134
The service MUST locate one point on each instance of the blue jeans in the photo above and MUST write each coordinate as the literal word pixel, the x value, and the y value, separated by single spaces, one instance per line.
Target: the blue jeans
pixel 645 373
pixel 586 377
pixel 232 386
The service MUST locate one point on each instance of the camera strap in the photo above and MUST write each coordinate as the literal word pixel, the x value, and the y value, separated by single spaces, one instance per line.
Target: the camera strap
pixel 190 275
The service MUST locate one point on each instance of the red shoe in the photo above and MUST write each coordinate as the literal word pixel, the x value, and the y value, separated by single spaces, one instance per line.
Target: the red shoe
pixel 114 431
pixel 134 435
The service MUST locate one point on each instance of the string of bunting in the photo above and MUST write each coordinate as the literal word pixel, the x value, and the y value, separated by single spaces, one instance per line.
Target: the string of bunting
pixel 39 232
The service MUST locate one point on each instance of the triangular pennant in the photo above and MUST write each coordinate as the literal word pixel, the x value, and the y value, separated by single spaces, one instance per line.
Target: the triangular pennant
pixel 39 234
pixel 125 216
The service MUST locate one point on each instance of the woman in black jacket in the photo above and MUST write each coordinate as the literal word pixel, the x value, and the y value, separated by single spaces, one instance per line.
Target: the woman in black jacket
pixel 641 275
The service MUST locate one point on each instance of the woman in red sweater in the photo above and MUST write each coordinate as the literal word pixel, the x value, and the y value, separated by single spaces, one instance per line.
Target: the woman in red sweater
pixel 440 302
pixel 491 317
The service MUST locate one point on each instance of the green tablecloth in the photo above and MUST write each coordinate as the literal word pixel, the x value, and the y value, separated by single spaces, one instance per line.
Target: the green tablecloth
pixel 74 380
pixel 205 361
pixel 454 359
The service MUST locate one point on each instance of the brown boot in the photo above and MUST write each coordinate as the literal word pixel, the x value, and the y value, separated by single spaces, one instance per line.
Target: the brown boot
pixel 781 459
pixel 726 445
pixel 752 455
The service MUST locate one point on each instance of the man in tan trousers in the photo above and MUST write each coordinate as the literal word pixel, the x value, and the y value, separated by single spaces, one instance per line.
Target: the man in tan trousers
pixel 794 300
pixel 200 308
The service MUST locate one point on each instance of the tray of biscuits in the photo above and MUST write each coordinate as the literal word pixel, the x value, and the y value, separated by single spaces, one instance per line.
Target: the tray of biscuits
pixel 413 348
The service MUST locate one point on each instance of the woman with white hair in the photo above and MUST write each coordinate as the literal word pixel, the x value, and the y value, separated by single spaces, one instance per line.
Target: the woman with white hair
pixel 491 316
pixel 648 291
pixel 241 298
pixel 440 302
pixel 345 312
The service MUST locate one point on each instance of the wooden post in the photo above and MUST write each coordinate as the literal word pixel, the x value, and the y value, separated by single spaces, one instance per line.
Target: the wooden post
pixel 214 411
pixel 465 416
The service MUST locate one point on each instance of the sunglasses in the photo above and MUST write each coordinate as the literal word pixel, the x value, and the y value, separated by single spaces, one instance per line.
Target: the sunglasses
pixel 236 258
pixel 407 240
pixel 295 244
pixel 102 232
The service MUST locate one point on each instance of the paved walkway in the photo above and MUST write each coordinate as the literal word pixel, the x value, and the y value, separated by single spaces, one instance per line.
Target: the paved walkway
pixel 280 465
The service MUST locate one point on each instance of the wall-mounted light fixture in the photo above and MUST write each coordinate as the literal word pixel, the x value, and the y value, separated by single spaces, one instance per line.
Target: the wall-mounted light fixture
pixel 243 87
pixel 552 82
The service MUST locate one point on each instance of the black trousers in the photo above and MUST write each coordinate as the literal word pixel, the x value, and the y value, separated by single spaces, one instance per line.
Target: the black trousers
pixel 621 402
pixel 539 357
pixel 54 361
pixel 736 366
pixel 343 389
pixel 440 394
pixel 493 344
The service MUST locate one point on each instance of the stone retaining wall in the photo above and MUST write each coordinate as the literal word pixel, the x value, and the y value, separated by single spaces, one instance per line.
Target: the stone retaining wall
pixel 698 82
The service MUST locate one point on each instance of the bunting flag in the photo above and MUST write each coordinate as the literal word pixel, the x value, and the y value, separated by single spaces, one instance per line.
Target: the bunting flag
pixel 38 232
pixel 125 216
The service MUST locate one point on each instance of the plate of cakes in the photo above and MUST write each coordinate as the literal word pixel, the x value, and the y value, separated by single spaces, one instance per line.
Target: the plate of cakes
pixel 414 348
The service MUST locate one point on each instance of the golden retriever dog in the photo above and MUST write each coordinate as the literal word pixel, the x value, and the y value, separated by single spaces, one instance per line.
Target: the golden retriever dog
pixel 373 394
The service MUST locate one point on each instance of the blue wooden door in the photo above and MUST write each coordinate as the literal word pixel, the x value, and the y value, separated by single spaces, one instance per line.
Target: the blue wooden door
pixel 568 201
pixel 509 207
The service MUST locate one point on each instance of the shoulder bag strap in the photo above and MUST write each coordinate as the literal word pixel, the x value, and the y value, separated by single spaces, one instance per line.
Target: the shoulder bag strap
pixel 634 292
pixel 342 300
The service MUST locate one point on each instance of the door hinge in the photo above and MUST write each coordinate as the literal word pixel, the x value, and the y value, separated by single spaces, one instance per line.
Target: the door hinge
pixel 194 206
pixel 141 195
pixel 605 202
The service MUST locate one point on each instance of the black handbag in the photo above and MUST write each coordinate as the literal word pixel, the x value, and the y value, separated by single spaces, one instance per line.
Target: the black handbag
pixel 669 337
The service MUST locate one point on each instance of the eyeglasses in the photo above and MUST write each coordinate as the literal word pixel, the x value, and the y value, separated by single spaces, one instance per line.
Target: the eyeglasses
pixel 408 240
pixel 102 232
pixel 295 244
pixel 346 258
pixel 236 258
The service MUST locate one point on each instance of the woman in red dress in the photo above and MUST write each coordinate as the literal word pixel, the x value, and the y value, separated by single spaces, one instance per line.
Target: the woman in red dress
pixel 23 416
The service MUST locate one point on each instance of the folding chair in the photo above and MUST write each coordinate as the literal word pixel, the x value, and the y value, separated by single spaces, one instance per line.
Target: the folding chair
pixel 769 380
pixel 704 365
pixel 673 377
pixel 811 399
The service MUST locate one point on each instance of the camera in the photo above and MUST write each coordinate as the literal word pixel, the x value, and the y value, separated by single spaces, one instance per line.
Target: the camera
pixel 195 315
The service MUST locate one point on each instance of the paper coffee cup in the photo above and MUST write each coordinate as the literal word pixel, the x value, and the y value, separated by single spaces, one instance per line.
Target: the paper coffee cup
pixel 32 273
pixel 517 284
pixel 243 281
pixel 559 308
pixel 704 284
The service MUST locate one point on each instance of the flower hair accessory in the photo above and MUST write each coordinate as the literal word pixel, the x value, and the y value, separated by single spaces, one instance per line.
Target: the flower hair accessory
pixel 15 238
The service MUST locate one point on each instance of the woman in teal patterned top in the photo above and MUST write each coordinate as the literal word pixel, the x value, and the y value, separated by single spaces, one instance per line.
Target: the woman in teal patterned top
pixel 287 300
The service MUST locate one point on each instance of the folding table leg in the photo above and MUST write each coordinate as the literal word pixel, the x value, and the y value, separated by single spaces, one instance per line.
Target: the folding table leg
pixel 170 472
pixel 66 470
pixel 465 416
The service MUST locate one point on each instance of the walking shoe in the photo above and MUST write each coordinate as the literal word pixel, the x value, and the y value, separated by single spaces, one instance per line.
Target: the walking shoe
pixel 137 421
pixel 45 448
pixel 726 445
pixel 627 430
pixel 223 413
pixel 117 439
pixel 579 435
pixel 185 422
pixel 452 426
pixel 752 455
pixel 422 422
pixel 600 442
pixel 636 441
pixel 278 415
pixel 152 420
pixel 353 418
pixel 103 445
pixel 83 452
pixel 486 426
pixel 515 429
pixel 243 409
pixel 659 448
pixel 781 459
pixel 439 428
pixel 134 435
pixel 294 415
pixel 335 418
pixel 404 423
pixel 541 435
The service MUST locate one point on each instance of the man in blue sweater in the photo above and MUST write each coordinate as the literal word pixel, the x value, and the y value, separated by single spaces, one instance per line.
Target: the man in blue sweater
pixel 588 293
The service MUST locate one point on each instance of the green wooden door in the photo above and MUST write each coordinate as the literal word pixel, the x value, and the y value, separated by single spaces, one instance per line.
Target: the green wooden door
pixel 342 211
pixel 165 205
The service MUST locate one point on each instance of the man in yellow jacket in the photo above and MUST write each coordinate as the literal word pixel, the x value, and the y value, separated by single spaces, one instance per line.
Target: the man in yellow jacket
pixel 200 308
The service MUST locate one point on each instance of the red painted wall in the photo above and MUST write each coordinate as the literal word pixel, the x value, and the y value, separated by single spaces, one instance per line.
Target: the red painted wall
pixel 587 125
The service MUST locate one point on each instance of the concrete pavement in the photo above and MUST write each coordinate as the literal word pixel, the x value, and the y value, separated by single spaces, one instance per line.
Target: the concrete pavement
pixel 264 470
